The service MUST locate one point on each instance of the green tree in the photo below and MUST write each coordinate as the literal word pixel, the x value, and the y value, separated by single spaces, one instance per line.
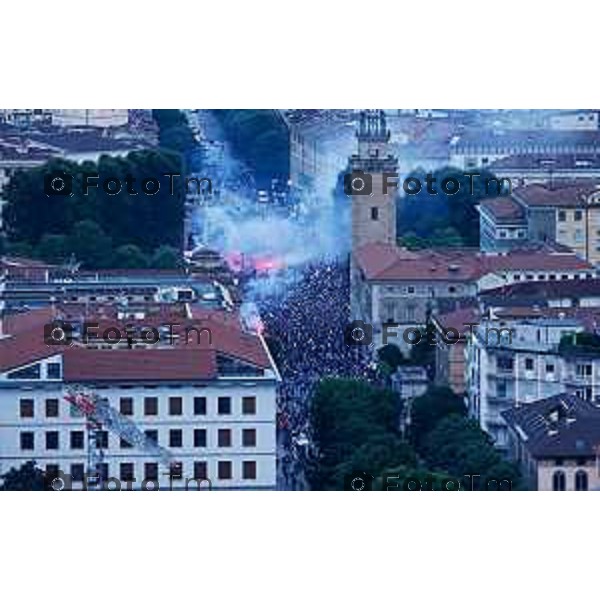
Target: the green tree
pixel 28 477
pixel 165 257
pixel 427 410
pixel 174 132
pixel 457 445
pixel 405 478
pixel 391 355
pixel 147 221
pixel 53 248
pixel 129 257
pixel 349 414
pixel 90 244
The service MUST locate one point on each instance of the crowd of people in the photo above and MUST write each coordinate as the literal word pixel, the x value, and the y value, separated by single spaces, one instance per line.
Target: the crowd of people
pixel 305 330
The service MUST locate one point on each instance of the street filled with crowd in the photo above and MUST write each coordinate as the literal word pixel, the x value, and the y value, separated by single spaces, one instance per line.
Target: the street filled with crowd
pixel 305 331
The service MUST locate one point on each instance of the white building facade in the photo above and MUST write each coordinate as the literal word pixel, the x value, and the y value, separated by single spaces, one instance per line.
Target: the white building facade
pixel 216 418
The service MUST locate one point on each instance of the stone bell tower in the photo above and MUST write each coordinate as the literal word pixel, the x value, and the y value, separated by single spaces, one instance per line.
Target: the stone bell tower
pixel 373 208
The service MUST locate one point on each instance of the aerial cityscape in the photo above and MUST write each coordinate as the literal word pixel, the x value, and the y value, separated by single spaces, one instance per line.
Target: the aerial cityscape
pixel 298 300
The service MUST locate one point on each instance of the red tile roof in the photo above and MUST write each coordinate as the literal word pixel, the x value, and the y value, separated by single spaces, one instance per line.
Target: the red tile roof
pixel 571 194
pixel 504 210
pixel 175 364
pixel 458 319
pixel 382 262
pixel 26 344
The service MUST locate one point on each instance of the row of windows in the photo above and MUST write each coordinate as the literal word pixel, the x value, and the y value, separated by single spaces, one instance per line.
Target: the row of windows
pixel 224 471
pixel 559 481
pixel 127 406
pixel 53 371
pixel 577 215
pixel 529 365
pixel 551 276
pixel 77 439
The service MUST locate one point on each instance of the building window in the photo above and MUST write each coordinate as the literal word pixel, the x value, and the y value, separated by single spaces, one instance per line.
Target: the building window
pixel 516 277
pixel 150 406
pixel 103 471
pixel 559 481
pixel 374 213
pixel 410 289
pixel 152 434
pixel 27 440
pixel 52 407
pixel 581 462
pixel 124 443
pixel 102 439
pixel 126 406
pixel 549 368
pixel 224 469
pixel 200 470
pixel 199 438
pixel 126 471
pixel 51 440
pixel 176 470
pixel 502 233
pixel 176 405
pixel 30 372
pixel 175 438
pixel 504 363
pixel 224 405
pixel 53 371
pixel 249 405
pixel 26 407
pixel 529 364
pixel 581 481
pixel 77 471
pixel 52 470
pixel 249 469
pixel 224 438
pixel 584 370
pixel 151 471
pixel 77 440
pixel 248 437
pixel 199 405
pixel 578 215
pixel 562 216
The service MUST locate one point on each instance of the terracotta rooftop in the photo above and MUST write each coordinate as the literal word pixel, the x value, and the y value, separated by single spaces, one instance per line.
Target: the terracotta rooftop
pixel 543 290
pixel 25 344
pixel 458 319
pixel 503 210
pixel 570 194
pixel 175 364
pixel 386 262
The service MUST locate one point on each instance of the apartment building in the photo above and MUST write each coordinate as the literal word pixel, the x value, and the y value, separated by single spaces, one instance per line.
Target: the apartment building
pixel 210 402
pixel 450 351
pixel 393 284
pixel 477 149
pixel 566 213
pixel 525 169
pixel 527 356
pixel 556 441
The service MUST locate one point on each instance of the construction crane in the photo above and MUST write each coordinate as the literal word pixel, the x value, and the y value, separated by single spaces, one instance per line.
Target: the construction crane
pixel 100 414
